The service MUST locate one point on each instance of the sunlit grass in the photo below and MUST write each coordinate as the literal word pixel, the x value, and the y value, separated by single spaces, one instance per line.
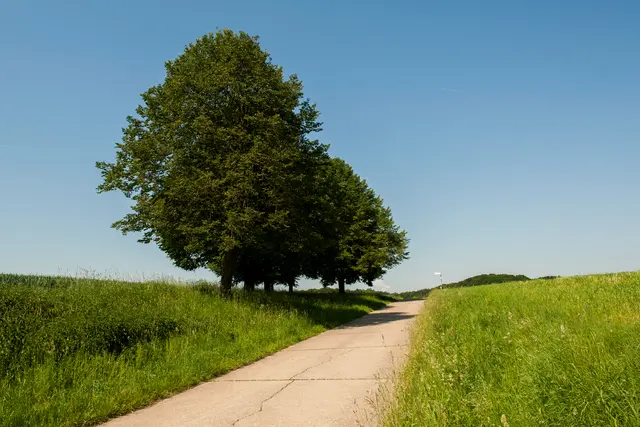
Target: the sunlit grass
pixel 563 352
pixel 77 351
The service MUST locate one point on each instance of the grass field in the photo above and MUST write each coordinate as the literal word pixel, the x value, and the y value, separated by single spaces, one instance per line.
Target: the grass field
pixel 76 351
pixel 563 352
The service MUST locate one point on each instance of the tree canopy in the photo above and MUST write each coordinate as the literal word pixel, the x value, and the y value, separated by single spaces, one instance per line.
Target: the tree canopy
pixel 223 174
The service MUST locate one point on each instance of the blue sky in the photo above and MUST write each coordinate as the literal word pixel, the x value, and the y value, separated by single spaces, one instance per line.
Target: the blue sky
pixel 504 135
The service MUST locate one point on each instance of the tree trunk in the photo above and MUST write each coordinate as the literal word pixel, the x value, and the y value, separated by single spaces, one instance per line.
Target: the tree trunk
pixel 341 285
pixel 292 284
pixel 228 266
pixel 268 286
pixel 249 284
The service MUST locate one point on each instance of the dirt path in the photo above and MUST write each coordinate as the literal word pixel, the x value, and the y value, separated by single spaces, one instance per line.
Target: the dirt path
pixel 327 380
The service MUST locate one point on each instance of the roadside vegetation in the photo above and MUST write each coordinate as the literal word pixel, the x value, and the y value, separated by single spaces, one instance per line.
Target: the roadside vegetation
pixel 546 352
pixel 77 351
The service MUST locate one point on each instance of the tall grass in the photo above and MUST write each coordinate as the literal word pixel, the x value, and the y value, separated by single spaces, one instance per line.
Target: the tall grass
pixel 77 351
pixel 563 352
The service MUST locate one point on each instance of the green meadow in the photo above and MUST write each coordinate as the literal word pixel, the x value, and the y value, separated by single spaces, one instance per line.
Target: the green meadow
pixel 561 352
pixel 78 351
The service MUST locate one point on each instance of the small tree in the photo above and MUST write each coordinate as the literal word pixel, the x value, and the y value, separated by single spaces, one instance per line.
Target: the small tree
pixel 361 240
pixel 214 157
pixel 386 244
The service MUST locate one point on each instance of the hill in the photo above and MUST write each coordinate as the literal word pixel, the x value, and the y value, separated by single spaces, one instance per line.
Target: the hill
pixel 482 279
pixel 486 279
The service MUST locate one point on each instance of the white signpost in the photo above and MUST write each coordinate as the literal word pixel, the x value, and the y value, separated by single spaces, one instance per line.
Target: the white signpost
pixel 439 274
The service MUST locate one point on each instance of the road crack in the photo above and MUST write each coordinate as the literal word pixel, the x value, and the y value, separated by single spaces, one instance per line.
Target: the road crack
pixel 320 364
pixel 263 403
pixel 291 380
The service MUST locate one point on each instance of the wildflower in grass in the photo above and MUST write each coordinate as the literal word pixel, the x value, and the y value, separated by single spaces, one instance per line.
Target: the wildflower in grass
pixel 503 420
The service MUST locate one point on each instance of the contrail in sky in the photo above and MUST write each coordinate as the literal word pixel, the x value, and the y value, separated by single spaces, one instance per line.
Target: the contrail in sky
pixel 446 89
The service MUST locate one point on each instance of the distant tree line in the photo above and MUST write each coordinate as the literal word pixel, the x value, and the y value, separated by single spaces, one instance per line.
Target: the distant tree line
pixel 224 174
pixel 486 279
pixel 482 279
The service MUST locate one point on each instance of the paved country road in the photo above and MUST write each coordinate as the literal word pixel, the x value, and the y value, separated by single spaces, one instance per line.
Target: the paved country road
pixel 327 380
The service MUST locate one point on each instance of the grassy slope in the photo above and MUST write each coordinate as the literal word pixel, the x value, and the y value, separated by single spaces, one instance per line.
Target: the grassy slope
pixel 557 353
pixel 76 351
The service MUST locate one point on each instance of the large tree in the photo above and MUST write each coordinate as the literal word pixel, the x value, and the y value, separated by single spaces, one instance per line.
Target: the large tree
pixel 281 256
pixel 216 155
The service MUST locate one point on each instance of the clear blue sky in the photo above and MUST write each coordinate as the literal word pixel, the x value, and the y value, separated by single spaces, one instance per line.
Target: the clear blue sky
pixel 504 135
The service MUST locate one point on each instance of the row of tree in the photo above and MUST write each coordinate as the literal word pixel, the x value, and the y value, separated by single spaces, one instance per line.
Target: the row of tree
pixel 224 175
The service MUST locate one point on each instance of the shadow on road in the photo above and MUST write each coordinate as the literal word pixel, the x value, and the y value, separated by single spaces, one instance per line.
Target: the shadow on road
pixel 378 318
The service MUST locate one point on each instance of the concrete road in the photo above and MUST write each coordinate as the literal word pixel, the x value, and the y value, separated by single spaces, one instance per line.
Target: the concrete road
pixel 327 380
